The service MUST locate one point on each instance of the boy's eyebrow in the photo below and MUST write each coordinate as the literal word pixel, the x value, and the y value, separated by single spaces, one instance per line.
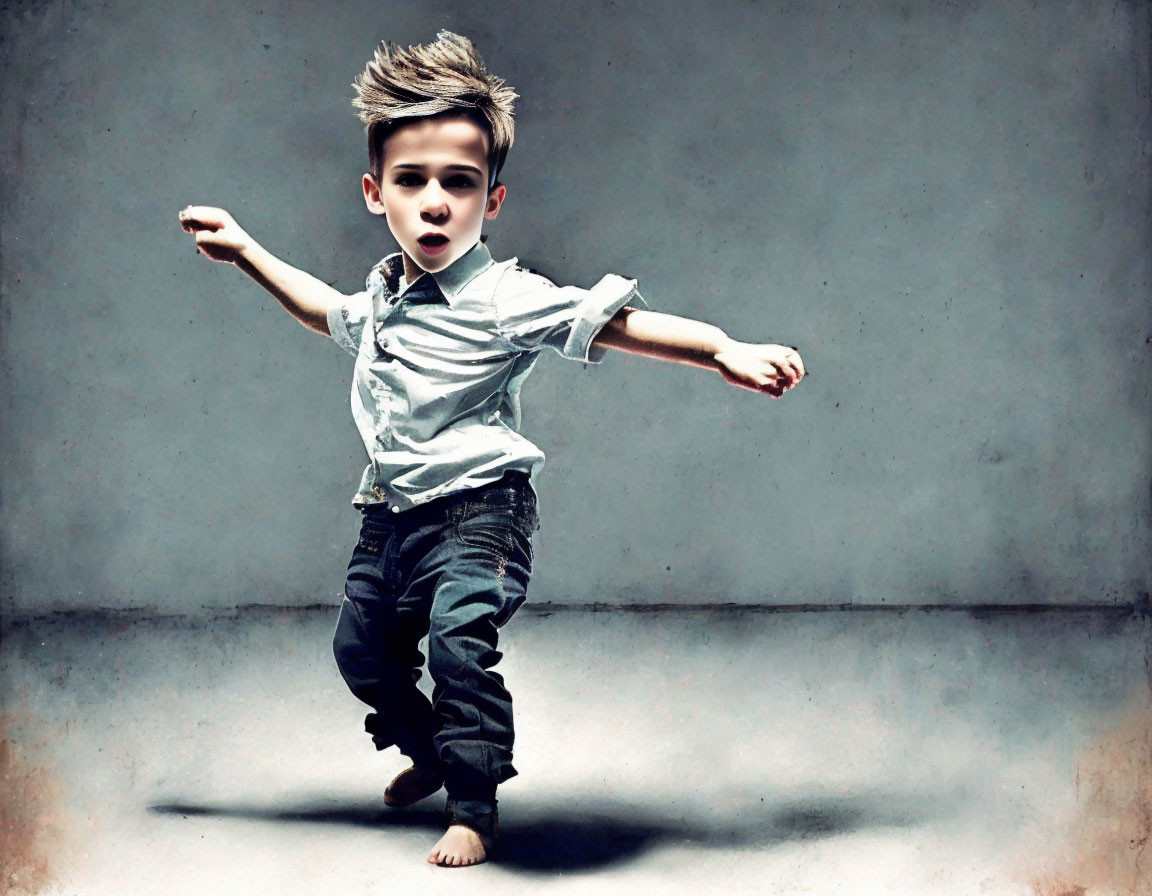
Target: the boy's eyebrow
pixel 413 166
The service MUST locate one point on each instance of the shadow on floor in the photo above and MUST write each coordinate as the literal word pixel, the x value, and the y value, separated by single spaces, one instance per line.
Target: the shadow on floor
pixel 545 841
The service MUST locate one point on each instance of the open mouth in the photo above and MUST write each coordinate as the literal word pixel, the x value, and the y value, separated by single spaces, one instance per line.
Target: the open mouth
pixel 433 243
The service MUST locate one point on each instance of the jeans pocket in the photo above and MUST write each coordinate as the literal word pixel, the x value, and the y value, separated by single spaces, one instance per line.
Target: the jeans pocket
pixel 492 531
pixel 376 556
pixel 507 531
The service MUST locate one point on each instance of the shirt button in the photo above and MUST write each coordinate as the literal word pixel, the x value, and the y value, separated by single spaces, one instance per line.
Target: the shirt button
pixel 395 509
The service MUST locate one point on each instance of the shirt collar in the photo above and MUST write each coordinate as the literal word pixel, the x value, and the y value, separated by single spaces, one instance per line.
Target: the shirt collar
pixel 451 280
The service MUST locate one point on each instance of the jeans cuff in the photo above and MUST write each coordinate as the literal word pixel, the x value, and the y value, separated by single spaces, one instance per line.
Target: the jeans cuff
pixel 480 815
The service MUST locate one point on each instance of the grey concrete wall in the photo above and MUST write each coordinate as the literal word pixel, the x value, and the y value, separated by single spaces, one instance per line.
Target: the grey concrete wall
pixel 946 206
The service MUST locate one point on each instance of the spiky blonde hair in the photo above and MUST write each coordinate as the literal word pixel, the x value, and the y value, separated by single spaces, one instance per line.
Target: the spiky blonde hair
pixel 435 79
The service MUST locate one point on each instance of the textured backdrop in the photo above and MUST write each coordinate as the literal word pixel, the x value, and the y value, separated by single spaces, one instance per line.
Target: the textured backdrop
pixel 945 206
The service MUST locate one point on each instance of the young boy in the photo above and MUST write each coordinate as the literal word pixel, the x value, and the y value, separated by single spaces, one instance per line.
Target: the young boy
pixel 444 338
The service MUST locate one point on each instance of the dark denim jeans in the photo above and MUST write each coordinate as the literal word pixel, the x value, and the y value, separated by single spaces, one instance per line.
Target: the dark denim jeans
pixel 456 569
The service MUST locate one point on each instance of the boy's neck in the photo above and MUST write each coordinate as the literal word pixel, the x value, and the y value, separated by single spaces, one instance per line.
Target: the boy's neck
pixel 412 271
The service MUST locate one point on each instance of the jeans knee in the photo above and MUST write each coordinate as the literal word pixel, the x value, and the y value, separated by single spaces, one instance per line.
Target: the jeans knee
pixel 462 656
pixel 444 663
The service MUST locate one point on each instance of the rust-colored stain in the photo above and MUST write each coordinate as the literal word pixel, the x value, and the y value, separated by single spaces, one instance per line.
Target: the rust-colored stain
pixel 1109 850
pixel 28 823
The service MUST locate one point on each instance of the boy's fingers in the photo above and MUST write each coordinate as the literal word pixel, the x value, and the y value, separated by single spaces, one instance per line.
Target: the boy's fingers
pixel 793 366
pixel 204 237
pixel 777 363
pixel 786 373
pixel 779 381
pixel 198 217
pixel 794 363
pixel 769 384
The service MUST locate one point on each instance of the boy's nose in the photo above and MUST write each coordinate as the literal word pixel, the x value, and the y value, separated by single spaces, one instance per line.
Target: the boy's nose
pixel 434 203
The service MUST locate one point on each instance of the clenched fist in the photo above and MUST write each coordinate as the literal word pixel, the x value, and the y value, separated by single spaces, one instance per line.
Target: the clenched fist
pixel 217 234
pixel 773 369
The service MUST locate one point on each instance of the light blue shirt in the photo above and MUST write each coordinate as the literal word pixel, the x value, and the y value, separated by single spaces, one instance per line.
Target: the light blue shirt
pixel 440 363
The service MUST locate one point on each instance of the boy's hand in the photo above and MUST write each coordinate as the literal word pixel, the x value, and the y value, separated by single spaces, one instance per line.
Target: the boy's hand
pixel 762 368
pixel 220 238
pixel 217 234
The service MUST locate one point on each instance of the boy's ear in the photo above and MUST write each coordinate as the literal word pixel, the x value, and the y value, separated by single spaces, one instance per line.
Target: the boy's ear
pixel 372 195
pixel 495 200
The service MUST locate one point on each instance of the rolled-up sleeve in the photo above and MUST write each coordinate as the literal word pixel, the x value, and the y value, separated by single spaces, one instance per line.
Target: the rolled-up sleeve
pixel 346 320
pixel 534 313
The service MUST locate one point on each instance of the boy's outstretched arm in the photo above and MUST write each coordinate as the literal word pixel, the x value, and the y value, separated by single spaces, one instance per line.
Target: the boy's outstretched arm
pixel 762 368
pixel 220 238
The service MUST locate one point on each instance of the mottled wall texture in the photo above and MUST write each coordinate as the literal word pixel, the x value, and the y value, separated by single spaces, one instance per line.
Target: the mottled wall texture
pixel 945 205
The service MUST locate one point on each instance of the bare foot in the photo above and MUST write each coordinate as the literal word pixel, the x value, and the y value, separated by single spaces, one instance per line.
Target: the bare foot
pixel 458 847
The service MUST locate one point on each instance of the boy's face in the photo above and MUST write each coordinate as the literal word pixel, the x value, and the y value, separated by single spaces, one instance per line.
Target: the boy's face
pixel 433 189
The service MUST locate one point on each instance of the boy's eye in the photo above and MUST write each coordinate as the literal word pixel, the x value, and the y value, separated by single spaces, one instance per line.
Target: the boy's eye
pixel 453 182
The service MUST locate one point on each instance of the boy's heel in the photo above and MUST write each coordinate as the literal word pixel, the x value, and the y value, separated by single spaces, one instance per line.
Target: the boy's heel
pixel 412 785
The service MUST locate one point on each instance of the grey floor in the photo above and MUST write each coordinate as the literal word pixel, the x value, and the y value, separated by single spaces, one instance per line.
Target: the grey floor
pixel 879 752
